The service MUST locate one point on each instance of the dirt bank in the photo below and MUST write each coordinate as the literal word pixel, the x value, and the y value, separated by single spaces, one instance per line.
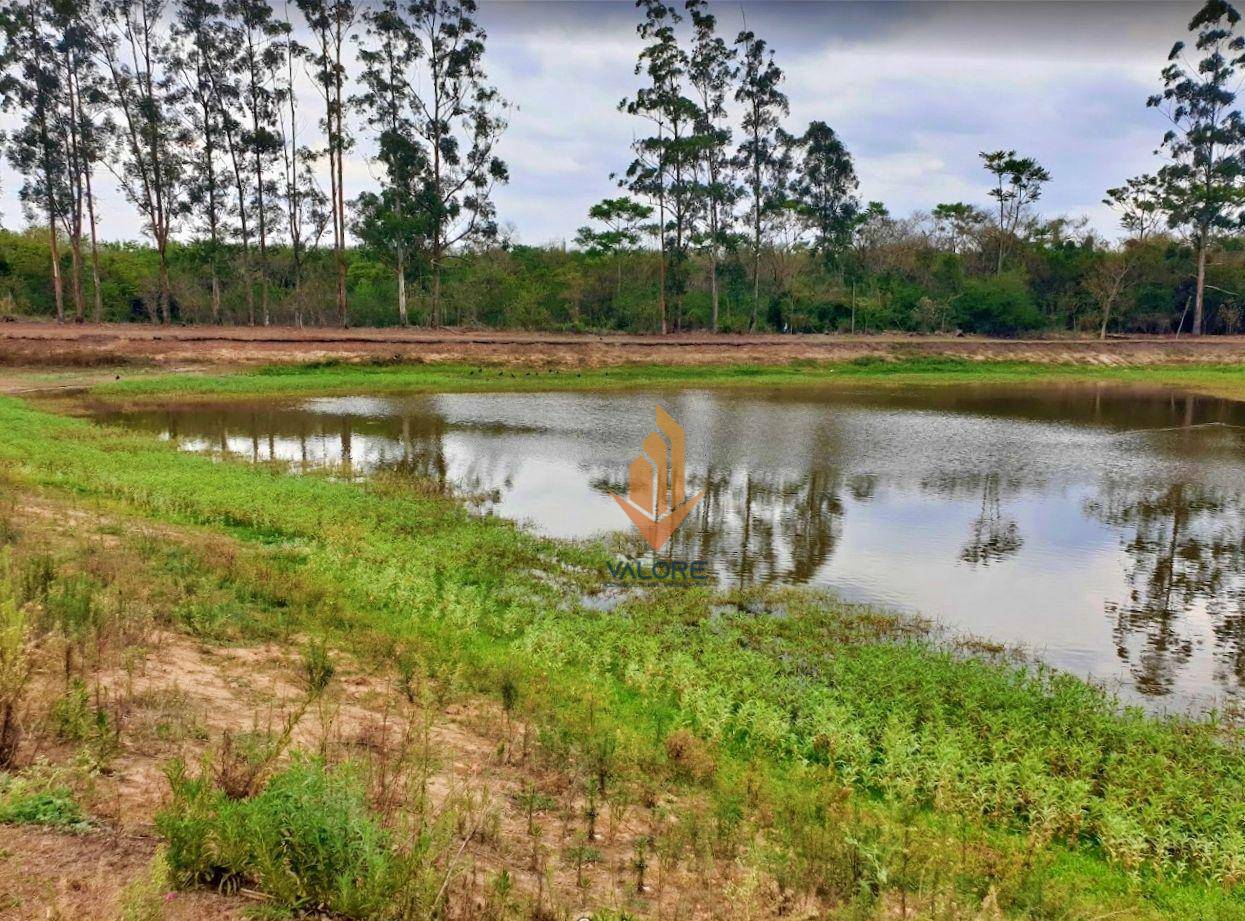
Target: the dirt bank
pixel 44 344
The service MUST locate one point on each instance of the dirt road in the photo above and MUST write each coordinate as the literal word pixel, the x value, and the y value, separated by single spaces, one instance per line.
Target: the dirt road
pixel 31 343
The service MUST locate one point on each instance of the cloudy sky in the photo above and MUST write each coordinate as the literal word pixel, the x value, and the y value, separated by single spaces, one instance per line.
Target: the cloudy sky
pixel 914 89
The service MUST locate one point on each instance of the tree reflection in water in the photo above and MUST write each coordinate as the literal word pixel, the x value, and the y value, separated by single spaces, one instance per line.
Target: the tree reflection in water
pixel 994 536
pixel 1184 544
pixel 941 487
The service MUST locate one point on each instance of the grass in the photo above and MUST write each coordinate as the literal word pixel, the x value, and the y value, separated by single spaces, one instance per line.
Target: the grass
pixel 307 839
pixel 23 802
pixel 837 748
pixel 383 377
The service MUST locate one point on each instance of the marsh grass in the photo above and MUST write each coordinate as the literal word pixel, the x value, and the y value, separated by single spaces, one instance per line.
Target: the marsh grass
pixel 836 749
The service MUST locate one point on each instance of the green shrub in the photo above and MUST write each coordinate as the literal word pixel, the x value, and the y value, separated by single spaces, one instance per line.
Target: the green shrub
pixel 1001 306
pixel 307 840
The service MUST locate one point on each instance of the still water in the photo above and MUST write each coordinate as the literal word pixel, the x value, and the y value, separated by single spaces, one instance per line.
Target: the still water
pixel 1099 527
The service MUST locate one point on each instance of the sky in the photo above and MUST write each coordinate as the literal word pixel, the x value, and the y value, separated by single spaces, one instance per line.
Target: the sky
pixel 915 90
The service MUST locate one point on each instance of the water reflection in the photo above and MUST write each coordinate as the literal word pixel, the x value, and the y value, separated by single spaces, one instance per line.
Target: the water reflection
pixel 1100 526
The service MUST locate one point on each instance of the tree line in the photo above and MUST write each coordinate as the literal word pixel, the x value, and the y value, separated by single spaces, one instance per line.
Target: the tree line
pixel 192 108
pixel 726 217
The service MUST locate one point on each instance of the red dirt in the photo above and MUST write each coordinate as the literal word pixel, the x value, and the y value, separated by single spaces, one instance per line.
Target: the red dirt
pixel 66 345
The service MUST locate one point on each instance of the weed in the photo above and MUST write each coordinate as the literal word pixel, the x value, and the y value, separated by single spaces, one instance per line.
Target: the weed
pixel 143 898
pixel 27 802
pixel 308 840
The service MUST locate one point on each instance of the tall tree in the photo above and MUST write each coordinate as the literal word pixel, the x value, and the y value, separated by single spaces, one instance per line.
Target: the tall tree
pixel 1139 204
pixel 198 36
pixel 1203 183
pixel 761 158
pixel 33 87
pixel 712 72
pixel 261 55
pixel 1018 184
pixel 394 222
pixel 457 114
pixel 623 227
pixel 330 22
pixel 83 130
pixel 305 203
pixel 655 173
pixel 150 162
pixel 823 189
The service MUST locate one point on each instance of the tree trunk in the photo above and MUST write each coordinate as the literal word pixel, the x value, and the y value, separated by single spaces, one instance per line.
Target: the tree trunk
pixel 166 289
pixel 713 286
pixel 95 275
pixel 75 269
pixel 756 287
pixel 215 297
pixel 402 291
pixel 57 287
pixel 1198 304
pixel 434 317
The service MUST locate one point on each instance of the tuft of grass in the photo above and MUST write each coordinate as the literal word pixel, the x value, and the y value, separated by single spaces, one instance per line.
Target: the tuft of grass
pixel 24 802
pixel 307 840
pixel 143 898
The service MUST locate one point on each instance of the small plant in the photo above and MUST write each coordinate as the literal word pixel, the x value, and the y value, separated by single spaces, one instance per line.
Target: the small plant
pixel 75 718
pixel 639 862
pixel 23 802
pixel 532 801
pixel 143 899
pixel 15 668
pixel 318 668
pixel 581 855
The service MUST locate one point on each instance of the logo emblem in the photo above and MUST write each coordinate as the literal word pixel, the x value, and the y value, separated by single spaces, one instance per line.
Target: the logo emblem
pixel 655 500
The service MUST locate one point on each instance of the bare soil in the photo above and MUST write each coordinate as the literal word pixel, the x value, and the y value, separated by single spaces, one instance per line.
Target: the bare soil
pixel 48 344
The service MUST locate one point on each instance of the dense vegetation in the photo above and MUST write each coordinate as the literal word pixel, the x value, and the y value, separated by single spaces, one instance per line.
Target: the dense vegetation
pixel 726 219
pixel 907 283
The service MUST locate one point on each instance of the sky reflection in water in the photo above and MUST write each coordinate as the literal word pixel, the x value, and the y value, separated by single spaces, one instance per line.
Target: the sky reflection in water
pixel 1101 527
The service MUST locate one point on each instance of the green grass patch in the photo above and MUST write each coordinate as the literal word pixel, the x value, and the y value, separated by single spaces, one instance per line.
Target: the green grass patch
pixel 24 802
pixel 342 378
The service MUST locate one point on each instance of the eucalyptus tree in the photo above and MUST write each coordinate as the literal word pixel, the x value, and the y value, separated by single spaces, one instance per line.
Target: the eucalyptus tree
pixel 32 87
pixel 84 129
pixel 1139 204
pixel 261 55
pixel 1204 181
pixel 395 222
pixel 656 171
pixel 1018 184
pixel 459 117
pixel 712 72
pixel 623 227
pixel 330 22
pixel 823 189
pixel 305 203
pixel 199 35
pixel 761 157
pixel 150 161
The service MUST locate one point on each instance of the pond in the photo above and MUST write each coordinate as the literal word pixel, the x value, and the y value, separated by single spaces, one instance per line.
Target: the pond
pixel 1100 527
